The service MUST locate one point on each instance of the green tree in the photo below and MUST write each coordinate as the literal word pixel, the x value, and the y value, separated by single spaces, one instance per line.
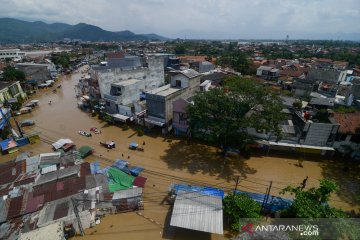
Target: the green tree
pixel 237 206
pixel 237 60
pixel 221 116
pixel 312 203
pixel 13 74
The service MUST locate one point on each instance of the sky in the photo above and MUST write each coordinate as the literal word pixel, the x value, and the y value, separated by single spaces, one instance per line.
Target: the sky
pixel 204 19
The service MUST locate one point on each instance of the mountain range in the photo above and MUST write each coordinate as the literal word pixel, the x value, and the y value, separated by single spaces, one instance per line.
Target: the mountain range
pixel 19 31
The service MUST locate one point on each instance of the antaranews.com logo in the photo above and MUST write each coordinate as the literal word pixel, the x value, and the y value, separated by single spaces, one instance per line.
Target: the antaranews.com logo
pixel 303 230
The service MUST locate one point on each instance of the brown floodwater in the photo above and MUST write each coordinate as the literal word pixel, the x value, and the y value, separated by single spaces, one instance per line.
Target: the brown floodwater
pixel 170 160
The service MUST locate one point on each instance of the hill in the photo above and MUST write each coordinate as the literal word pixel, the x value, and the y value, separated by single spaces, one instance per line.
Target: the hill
pixel 18 31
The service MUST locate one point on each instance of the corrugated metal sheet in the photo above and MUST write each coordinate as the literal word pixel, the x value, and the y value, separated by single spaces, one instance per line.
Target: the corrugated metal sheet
pixel 192 210
pixel 128 193
pixel 15 207
pixel 140 182
pixel 48 169
pixel 32 163
pixel 34 202
pixel 50 158
pixel 4 206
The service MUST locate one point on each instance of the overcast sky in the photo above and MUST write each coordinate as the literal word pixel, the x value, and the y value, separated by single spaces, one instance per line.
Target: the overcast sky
pixel 224 19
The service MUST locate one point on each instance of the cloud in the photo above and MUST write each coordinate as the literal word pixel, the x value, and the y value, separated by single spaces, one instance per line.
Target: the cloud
pixel 200 18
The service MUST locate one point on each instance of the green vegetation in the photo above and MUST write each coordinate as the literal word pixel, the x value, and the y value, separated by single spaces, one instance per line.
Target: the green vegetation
pixel 312 203
pixel 12 74
pixel 344 109
pixel 140 132
pixel 297 104
pixel 62 59
pixel 221 116
pixel 240 206
pixel 98 47
pixel 238 61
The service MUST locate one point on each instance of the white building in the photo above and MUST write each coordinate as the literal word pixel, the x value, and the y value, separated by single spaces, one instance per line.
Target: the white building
pixel 15 54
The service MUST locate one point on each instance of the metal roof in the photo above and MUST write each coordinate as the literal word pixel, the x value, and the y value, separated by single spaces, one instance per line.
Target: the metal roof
pixel 193 210
pixel 128 193
pixel 46 158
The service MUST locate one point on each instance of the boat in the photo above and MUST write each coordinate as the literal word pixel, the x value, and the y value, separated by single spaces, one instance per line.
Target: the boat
pixel 95 130
pixel 83 133
pixel 108 144
pixel 25 110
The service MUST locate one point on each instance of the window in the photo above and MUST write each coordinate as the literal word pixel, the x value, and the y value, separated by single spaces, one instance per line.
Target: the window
pixel 178 83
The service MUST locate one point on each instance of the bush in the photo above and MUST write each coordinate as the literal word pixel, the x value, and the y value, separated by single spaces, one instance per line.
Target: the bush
pixel 125 127
pixel 140 132
pixel 93 114
pixel 240 206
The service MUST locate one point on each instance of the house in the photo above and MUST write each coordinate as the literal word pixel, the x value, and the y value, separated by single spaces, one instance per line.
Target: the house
pixel 122 95
pixel 348 139
pixel 10 90
pixel 35 72
pixel 15 54
pixel 323 75
pixel 180 119
pixel 322 103
pixel 355 89
pixel 268 73
pixel 303 87
pixel 119 59
pixel 203 66
pixel 159 102
pixel 315 132
pixel 151 73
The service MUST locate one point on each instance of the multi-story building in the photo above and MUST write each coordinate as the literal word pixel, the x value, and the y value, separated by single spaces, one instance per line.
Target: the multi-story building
pixel 159 102
pixel 11 53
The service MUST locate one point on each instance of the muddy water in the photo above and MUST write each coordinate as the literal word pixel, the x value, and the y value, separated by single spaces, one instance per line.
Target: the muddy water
pixel 169 160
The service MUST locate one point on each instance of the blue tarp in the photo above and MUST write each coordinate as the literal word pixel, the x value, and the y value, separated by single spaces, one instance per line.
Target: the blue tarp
pixel 273 204
pixel 136 170
pixel 95 168
pixel 4 144
pixel 122 165
pixel 210 191
pixel 22 141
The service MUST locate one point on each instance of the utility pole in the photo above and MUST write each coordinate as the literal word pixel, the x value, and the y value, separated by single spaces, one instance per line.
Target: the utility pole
pixel 237 183
pixel 266 198
pixel 76 211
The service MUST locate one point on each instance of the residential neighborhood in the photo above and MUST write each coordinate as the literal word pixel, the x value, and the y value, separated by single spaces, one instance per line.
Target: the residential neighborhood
pixel 109 135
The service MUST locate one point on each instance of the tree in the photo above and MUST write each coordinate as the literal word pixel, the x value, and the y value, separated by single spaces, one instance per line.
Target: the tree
pixel 237 60
pixel 222 115
pixel 312 203
pixel 238 206
pixel 12 74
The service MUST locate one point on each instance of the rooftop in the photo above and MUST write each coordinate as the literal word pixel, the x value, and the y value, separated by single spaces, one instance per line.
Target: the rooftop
pixel 349 122
pixel 164 91
pixel 126 82
pixel 6 84
pixel 193 210
pixel 53 231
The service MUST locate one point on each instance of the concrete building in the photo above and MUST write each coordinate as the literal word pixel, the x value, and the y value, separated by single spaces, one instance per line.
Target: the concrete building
pixel 180 118
pixel 15 54
pixel 316 133
pixel 202 67
pixel 151 73
pixel 122 95
pixel 11 90
pixel 35 72
pixel 159 102
pixel 268 73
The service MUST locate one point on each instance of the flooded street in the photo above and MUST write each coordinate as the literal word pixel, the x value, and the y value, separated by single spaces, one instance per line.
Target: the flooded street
pixel 168 160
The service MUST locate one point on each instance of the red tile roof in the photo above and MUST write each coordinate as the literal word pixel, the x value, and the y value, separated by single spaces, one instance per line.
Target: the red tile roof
pixel 111 55
pixel 349 122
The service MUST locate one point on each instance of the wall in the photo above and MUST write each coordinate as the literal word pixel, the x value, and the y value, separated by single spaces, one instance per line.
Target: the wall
pixel 130 93
pixel 153 75
pixel 180 77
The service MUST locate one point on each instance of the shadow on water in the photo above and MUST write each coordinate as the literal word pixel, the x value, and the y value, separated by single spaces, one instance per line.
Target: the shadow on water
pixel 200 158
pixel 346 175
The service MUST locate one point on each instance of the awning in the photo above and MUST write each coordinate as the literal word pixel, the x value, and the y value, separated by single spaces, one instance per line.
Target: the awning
pixel 120 117
pixel 61 142
pixel 154 122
